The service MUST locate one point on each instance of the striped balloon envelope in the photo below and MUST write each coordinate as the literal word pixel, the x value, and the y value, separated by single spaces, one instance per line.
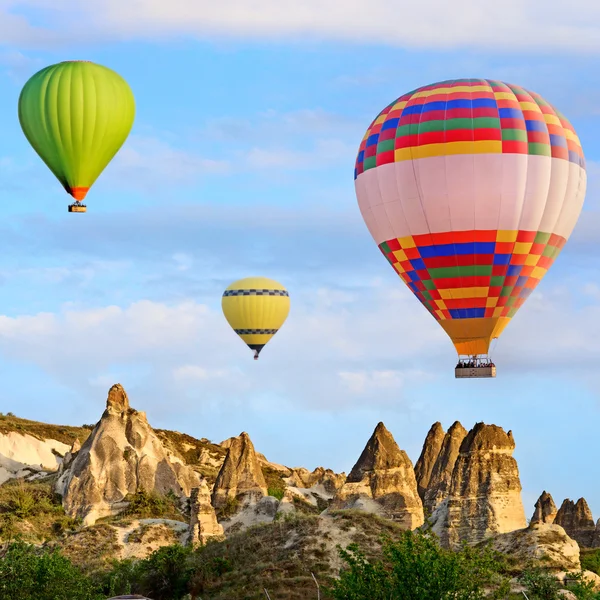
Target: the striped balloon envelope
pixel 256 308
pixel 470 188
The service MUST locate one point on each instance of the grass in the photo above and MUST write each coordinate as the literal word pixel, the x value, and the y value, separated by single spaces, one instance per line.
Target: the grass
pixel 92 549
pixel 43 431
pixel 275 483
pixel 32 511
pixel 148 505
pixel 280 557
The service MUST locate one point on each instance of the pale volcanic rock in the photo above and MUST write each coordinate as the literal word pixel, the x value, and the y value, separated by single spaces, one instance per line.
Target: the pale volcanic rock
pixel 383 481
pixel 240 475
pixel 485 491
pixel 122 455
pixel 545 509
pixel 441 473
pixel 429 453
pixel 577 520
pixel 543 543
pixel 303 478
pixel 22 455
pixel 203 519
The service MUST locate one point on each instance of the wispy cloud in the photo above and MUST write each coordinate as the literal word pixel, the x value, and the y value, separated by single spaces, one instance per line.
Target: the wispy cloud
pixel 514 25
pixel 190 342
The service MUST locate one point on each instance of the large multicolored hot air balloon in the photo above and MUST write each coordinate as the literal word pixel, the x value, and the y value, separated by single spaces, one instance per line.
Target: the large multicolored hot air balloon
pixel 470 188
pixel 76 115
pixel 256 308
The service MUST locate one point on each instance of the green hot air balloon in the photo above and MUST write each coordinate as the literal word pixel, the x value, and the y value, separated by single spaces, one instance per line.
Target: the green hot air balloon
pixel 76 115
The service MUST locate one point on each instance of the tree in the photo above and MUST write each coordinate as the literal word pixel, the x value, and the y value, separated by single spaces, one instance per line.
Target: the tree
pixel 415 567
pixel 26 572
pixel 166 573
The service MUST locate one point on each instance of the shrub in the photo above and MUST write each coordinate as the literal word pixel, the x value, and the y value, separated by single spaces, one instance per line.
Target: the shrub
pixel 540 584
pixel 415 567
pixel 27 573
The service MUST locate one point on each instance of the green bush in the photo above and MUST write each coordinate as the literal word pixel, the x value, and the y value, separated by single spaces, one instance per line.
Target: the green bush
pixel 150 505
pixel 583 590
pixel 276 493
pixel 26 573
pixel 590 561
pixel 540 584
pixel 415 567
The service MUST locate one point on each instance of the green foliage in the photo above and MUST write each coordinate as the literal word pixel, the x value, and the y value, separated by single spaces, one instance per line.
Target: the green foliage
pixel 43 431
pixel 540 584
pixel 27 500
pixel 27 573
pixel 275 483
pixel 29 509
pixel 276 493
pixel 165 574
pixel 415 567
pixel 590 561
pixel 123 578
pixel 228 509
pixel 582 588
pixel 150 505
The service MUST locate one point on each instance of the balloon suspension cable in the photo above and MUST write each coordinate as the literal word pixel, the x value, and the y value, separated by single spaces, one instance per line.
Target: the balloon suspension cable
pixel 493 347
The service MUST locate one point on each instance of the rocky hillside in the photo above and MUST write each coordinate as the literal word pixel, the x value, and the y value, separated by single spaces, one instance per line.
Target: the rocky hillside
pixel 121 489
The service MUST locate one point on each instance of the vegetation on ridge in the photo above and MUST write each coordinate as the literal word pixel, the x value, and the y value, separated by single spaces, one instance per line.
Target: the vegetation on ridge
pixel 282 558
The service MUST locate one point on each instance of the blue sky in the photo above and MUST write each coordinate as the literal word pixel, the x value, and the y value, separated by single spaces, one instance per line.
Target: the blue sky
pixel 240 162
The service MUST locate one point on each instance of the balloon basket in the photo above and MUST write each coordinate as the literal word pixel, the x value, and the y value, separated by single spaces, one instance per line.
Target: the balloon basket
pixel 77 208
pixel 475 367
pixel 474 372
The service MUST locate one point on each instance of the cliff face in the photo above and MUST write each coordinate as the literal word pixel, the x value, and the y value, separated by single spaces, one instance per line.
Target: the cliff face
pixel 441 472
pixel 485 491
pixel 241 474
pixel 203 520
pixel 121 456
pixel 576 519
pixel 545 510
pixel 383 481
pixel 427 459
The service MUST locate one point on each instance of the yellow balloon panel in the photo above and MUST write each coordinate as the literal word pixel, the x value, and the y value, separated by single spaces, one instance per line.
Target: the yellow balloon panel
pixel 256 308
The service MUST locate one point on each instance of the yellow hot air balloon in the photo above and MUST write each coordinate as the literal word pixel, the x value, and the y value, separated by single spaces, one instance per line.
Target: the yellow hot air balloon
pixel 256 308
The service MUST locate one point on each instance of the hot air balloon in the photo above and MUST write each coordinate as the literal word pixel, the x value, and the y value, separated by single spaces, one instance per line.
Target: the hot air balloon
pixel 470 188
pixel 76 115
pixel 256 308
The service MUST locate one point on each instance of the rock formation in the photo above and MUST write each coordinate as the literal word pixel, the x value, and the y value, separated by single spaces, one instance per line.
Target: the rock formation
pixel 429 453
pixel 303 478
pixel 441 472
pixel 203 520
pixel 577 521
pixel 22 455
pixel 121 456
pixel 383 480
pixel 241 474
pixel 485 491
pixel 545 510
pixel 545 543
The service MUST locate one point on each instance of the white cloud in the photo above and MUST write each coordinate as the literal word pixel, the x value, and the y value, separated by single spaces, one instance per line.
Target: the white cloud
pixel 187 373
pixel 372 347
pixel 323 154
pixel 152 163
pixel 272 125
pixel 514 25
pixel 361 382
